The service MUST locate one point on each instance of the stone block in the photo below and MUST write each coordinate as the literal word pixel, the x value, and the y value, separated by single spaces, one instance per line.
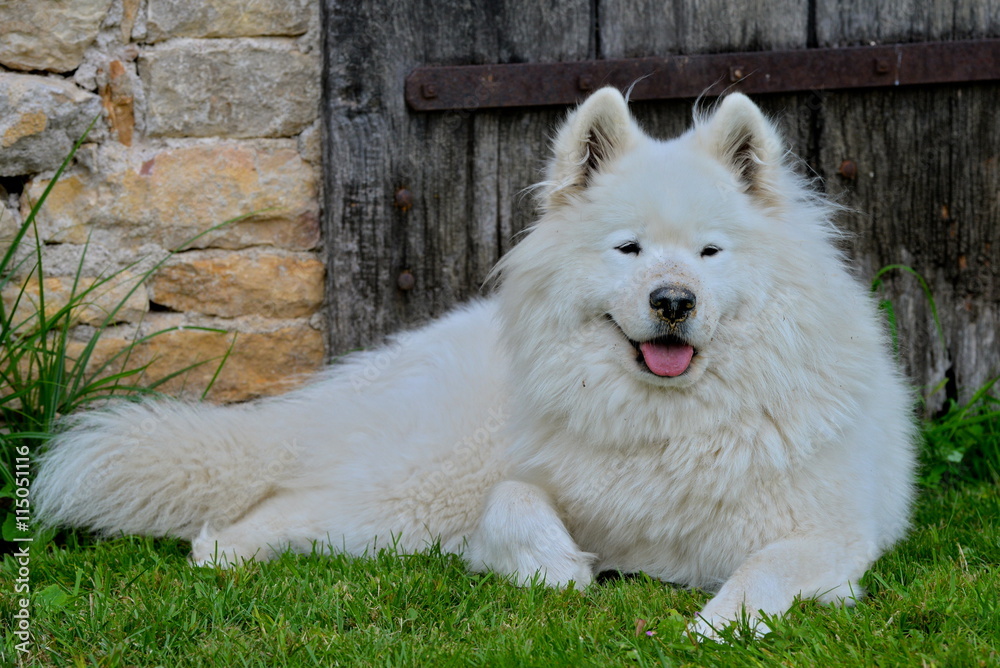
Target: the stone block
pixel 97 299
pixel 118 97
pixel 234 283
pixel 40 119
pixel 311 144
pixel 48 35
pixel 229 88
pixel 225 18
pixel 10 223
pixel 269 359
pixel 10 226
pixel 130 12
pixel 168 196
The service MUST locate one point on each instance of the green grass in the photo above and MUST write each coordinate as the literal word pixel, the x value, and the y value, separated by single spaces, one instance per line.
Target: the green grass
pixel 135 601
pixel 964 442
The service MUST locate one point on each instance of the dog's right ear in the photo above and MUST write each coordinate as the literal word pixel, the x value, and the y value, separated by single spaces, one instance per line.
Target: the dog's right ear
pixel 594 135
pixel 741 138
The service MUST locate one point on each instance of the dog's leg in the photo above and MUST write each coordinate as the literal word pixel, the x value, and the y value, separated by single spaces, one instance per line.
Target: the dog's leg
pixel 815 566
pixel 278 523
pixel 520 534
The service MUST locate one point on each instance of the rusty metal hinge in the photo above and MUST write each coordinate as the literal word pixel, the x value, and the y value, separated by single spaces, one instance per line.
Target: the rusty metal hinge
pixel 537 84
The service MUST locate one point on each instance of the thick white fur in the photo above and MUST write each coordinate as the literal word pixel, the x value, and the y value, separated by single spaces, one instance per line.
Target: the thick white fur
pixel 521 431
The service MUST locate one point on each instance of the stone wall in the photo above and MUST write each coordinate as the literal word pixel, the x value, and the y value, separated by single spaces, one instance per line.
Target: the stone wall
pixel 207 110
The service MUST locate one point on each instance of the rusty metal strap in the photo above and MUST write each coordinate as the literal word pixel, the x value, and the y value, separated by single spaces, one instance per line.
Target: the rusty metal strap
pixel 536 84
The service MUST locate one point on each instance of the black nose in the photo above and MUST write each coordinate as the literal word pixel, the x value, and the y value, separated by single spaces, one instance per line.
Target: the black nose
pixel 672 303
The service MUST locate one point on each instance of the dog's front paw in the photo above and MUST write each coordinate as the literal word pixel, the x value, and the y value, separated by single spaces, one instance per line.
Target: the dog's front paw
pixel 556 564
pixel 708 626
pixel 570 569
pixel 705 629
pixel 521 535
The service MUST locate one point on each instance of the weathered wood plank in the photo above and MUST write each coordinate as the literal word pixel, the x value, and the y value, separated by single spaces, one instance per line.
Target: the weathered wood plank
pixel 458 168
pixel 857 22
pixel 927 191
pixel 638 28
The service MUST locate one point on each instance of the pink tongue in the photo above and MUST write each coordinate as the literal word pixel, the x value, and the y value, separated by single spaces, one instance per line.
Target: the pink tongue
pixel 666 359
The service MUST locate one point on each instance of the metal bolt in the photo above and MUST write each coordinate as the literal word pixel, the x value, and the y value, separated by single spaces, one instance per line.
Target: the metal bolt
pixel 848 170
pixel 881 66
pixel 429 91
pixel 403 200
pixel 736 73
pixel 585 83
pixel 406 281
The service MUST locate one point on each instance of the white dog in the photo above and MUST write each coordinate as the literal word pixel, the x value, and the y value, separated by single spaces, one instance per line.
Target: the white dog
pixel 677 375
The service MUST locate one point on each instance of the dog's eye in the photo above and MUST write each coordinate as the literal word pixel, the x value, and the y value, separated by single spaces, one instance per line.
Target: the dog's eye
pixel 629 248
pixel 709 251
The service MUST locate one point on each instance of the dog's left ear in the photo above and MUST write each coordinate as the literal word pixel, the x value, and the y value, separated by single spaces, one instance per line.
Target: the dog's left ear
pixel 741 137
pixel 594 136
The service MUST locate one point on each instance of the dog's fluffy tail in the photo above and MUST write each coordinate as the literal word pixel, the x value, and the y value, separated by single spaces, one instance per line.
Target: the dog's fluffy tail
pixel 161 469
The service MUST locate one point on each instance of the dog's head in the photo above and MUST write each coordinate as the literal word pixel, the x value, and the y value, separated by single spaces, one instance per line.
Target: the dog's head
pixel 654 259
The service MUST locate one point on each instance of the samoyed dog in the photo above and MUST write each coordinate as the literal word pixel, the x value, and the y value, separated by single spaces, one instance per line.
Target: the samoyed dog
pixel 677 374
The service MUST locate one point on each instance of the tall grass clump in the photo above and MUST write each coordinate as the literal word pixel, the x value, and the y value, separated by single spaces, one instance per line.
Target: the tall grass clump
pixel 39 379
pixel 961 443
